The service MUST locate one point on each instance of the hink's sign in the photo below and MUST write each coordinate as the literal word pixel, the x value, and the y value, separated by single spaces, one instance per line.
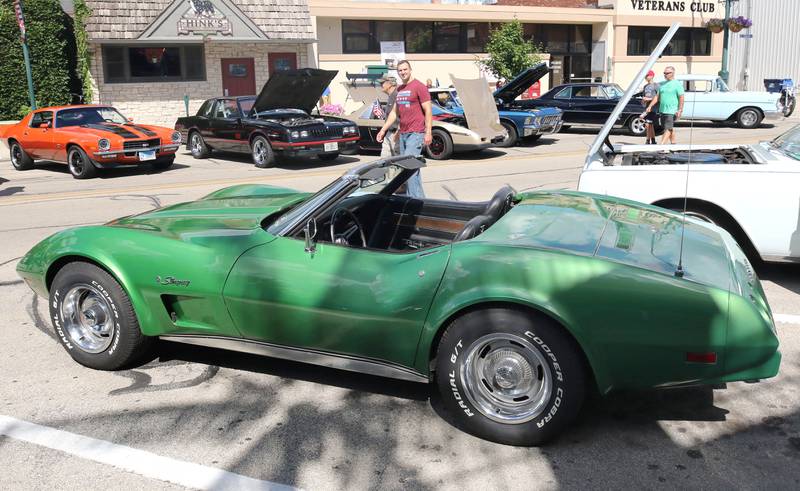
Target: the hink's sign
pixel 673 6
pixel 203 18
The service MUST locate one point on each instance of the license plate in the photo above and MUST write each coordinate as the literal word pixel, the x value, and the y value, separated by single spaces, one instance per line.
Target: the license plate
pixel 148 155
pixel 330 146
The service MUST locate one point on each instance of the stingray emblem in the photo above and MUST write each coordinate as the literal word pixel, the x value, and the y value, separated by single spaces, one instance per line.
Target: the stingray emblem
pixel 171 280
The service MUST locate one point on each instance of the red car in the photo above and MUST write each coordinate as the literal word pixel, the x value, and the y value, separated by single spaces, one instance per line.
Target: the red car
pixel 87 138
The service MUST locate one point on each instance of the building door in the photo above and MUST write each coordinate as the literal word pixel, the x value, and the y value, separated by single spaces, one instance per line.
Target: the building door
pixel 238 77
pixel 282 61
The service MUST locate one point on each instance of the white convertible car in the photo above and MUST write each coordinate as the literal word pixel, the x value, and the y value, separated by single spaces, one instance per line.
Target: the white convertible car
pixel 752 191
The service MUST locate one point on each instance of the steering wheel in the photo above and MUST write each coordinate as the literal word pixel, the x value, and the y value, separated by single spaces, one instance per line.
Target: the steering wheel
pixel 342 240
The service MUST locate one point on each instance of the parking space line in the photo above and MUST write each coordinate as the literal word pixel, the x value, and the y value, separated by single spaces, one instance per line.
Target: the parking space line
pixel 132 460
pixel 787 318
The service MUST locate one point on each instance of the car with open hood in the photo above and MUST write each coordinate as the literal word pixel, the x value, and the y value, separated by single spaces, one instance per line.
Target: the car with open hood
pixel 476 128
pixel 513 309
pixel 583 104
pixel 722 183
pixel 88 138
pixel 529 124
pixel 276 123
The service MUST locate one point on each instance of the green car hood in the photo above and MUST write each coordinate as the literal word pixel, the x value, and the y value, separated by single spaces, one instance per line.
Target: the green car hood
pixel 618 230
pixel 236 210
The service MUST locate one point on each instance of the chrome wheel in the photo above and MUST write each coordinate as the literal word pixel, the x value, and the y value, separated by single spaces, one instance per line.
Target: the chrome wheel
pixel 260 151
pixel 16 154
pixel 76 163
pixel 88 318
pixel 197 144
pixel 638 126
pixel 506 378
pixel 748 118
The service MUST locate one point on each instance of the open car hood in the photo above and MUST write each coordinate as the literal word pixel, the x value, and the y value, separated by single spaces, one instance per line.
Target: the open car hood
pixel 365 92
pixel 595 151
pixel 479 107
pixel 293 89
pixel 521 82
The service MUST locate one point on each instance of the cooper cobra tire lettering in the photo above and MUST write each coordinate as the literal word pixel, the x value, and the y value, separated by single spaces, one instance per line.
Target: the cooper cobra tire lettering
pixel 557 352
pixel 127 344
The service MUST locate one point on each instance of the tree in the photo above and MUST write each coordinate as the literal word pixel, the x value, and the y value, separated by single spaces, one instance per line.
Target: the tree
pixel 53 60
pixel 509 51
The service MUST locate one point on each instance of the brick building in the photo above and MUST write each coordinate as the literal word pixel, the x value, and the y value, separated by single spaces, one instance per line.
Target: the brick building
pixel 149 55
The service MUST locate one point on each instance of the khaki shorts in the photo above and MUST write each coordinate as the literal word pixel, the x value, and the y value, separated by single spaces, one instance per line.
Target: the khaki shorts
pixel 391 144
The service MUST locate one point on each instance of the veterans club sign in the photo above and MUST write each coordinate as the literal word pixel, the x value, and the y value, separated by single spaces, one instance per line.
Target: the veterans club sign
pixel 203 18
pixel 673 6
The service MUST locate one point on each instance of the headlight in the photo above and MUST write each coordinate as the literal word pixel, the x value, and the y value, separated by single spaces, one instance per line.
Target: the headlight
pixel 103 144
pixel 350 130
pixel 528 121
pixel 176 136
pixel 304 134
pixel 295 134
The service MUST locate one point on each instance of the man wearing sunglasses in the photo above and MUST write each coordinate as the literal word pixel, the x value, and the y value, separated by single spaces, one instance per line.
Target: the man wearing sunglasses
pixel 670 104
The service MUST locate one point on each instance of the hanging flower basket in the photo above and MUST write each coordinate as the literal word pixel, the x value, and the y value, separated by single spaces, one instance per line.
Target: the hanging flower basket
pixel 736 24
pixel 715 25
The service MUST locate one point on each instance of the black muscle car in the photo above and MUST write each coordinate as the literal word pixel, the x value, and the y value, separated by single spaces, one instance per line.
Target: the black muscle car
pixel 584 104
pixel 277 122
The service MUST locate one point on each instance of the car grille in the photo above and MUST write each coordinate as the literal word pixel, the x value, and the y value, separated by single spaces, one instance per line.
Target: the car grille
pixel 550 120
pixel 325 132
pixel 141 144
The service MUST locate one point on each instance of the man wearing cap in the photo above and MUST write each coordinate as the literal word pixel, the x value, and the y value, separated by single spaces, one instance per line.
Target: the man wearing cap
pixel 390 145
pixel 650 91
pixel 670 104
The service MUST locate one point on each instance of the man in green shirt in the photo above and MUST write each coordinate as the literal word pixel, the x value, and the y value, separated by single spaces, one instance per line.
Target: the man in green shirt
pixel 670 104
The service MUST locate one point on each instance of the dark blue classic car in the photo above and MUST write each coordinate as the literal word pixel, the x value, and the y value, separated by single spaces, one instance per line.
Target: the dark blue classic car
pixel 529 124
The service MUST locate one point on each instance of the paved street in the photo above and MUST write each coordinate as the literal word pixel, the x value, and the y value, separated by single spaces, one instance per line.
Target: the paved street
pixel 269 422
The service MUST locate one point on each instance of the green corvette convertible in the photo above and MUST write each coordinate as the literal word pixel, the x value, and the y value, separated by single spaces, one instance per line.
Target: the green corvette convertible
pixel 514 309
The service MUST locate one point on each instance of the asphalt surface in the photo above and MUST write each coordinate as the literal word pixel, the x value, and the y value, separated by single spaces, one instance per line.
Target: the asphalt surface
pixel 313 428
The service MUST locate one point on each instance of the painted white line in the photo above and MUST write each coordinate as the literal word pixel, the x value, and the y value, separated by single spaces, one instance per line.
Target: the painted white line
pixel 132 460
pixel 787 318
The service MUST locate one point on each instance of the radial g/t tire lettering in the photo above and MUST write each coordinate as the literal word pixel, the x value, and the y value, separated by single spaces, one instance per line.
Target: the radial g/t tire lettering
pixel 510 377
pixel 94 319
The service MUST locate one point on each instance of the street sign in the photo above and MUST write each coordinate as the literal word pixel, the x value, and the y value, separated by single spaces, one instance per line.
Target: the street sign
pixel 20 18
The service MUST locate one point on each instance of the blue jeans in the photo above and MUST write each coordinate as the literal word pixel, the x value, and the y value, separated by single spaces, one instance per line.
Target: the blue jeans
pixel 411 144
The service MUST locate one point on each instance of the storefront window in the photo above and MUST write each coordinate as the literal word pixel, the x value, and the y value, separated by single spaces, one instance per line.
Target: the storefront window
pixel 446 37
pixel 477 36
pixel 581 39
pixel 356 36
pixel 388 31
pixel 419 37
pixel 555 38
pixel 153 63
pixel 687 41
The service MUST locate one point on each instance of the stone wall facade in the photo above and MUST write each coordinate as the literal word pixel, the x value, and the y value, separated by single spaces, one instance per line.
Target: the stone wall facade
pixel 161 103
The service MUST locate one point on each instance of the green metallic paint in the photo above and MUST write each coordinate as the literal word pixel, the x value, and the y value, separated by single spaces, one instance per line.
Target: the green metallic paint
pixel 603 268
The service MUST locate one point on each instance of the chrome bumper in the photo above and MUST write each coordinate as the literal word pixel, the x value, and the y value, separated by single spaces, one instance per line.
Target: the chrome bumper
pixel 171 146
pixel 776 114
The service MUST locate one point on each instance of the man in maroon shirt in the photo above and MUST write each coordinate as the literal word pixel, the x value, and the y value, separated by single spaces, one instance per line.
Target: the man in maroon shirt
pixel 413 108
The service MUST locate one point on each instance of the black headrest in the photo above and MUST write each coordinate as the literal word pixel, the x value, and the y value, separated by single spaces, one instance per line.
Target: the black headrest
pixel 500 202
pixel 474 227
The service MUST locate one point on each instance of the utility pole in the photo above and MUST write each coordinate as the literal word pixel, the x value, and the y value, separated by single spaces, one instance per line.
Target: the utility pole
pixel 24 39
pixel 725 39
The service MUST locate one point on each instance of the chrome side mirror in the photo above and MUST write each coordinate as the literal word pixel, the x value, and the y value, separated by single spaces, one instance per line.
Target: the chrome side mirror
pixel 310 232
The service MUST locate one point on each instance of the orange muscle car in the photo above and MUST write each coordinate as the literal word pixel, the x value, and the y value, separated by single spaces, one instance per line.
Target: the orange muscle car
pixel 87 138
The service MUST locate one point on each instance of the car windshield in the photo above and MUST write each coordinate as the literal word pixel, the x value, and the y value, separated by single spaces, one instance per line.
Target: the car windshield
pixel 614 91
pixel 721 86
pixel 247 104
pixel 88 115
pixel 789 143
